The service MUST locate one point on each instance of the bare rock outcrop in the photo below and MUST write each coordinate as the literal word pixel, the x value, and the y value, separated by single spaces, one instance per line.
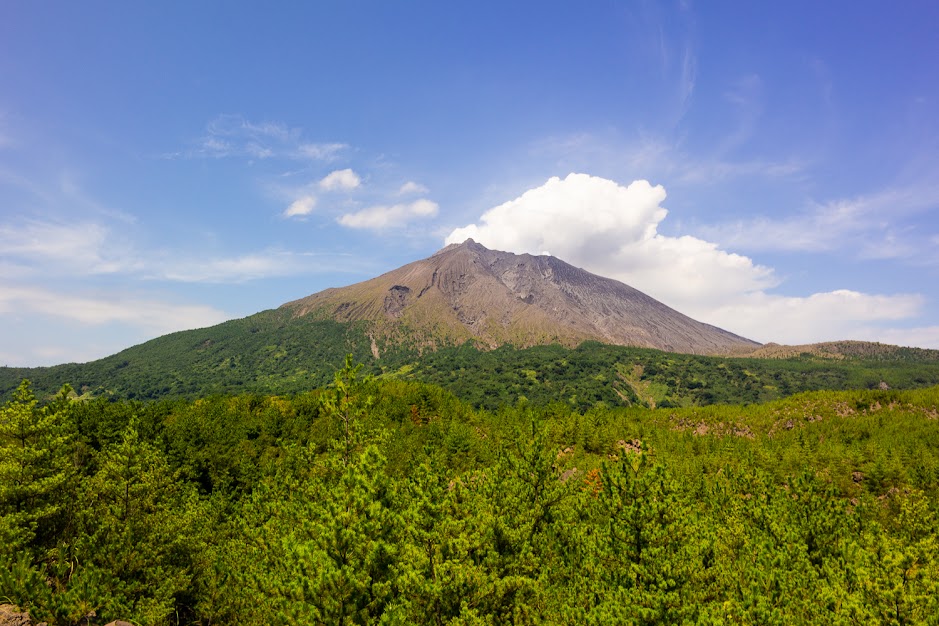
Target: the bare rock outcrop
pixel 11 616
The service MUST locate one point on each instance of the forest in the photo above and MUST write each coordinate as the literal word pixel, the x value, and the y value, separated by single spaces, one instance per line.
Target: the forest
pixel 379 500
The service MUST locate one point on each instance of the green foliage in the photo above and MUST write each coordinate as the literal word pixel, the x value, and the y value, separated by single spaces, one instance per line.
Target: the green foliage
pixel 624 376
pixel 269 352
pixel 379 500
pixel 274 352
pixel 140 525
pixel 640 552
pixel 36 472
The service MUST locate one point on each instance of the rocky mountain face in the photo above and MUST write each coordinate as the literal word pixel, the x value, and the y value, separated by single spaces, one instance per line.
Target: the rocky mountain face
pixel 468 292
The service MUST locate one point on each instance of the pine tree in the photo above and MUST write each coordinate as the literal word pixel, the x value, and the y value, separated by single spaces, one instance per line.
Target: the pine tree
pixel 319 539
pixel 140 530
pixel 36 472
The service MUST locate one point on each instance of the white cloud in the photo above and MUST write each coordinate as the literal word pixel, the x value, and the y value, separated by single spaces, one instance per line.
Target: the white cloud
pixel 80 248
pixel 840 314
pixel 411 187
pixel 379 217
pixel 153 315
pixel 920 337
pixel 862 223
pixel 254 266
pixel 228 270
pixel 301 206
pixel 653 157
pixel 44 326
pixel 612 230
pixel 340 179
pixel 54 251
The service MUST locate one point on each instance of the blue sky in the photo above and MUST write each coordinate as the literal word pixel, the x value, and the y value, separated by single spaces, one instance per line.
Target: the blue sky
pixel 772 168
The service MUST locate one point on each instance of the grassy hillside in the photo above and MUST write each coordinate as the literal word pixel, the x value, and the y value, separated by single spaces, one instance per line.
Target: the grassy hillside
pixel 270 352
pixel 273 352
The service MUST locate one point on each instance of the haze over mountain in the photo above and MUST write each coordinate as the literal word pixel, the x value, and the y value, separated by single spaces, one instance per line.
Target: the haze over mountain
pixel 468 292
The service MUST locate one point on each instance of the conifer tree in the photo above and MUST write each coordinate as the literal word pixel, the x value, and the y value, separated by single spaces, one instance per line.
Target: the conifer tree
pixel 36 472
pixel 140 530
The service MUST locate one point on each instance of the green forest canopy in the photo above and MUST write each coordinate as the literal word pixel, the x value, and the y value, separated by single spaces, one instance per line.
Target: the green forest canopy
pixel 393 501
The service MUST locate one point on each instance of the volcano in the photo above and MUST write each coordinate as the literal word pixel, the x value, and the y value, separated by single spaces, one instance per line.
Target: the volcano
pixel 466 292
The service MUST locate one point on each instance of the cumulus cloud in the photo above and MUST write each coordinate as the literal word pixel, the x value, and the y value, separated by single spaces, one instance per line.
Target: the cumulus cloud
pixel 340 179
pixel 379 217
pixel 411 187
pixel 613 231
pixel 300 207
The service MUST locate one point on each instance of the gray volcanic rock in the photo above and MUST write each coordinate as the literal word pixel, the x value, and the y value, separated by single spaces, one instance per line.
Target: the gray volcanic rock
pixel 466 291
pixel 12 616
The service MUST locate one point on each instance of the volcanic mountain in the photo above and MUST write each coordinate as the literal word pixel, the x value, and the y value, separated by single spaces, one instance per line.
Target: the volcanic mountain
pixel 468 292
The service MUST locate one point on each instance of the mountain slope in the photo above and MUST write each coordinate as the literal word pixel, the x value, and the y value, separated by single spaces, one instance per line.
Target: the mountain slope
pixel 468 292
pixel 266 352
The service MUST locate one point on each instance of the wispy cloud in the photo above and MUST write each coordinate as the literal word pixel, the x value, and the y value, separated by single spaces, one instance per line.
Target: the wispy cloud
pixel 86 250
pixel 319 151
pixel 79 248
pixel 379 217
pixel 235 136
pixel 711 171
pixel 870 225
pixel 667 39
pixel 252 266
pixel 687 81
pixel 658 159
pixel 103 308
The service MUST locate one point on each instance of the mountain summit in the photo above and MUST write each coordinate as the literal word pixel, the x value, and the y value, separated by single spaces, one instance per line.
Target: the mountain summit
pixel 468 292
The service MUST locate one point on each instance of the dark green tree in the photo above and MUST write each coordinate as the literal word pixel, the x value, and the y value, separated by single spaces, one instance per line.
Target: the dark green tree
pixel 37 473
pixel 143 529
